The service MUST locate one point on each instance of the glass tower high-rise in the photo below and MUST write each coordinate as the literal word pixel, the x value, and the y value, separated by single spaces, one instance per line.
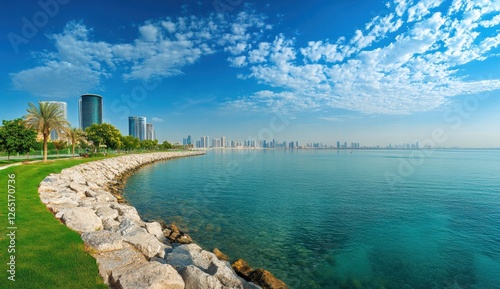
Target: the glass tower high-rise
pixel 137 127
pixel 90 110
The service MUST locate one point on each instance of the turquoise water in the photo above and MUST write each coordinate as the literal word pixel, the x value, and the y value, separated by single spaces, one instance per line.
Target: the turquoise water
pixel 338 219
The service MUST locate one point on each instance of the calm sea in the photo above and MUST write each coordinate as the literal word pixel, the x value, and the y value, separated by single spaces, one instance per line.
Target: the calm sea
pixel 338 219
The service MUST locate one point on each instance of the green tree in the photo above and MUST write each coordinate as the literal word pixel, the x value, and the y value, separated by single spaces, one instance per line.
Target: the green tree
pixel 44 118
pixel 130 142
pixel 75 136
pixel 166 145
pixel 15 137
pixel 148 144
pixel 104 134
pixel 59 145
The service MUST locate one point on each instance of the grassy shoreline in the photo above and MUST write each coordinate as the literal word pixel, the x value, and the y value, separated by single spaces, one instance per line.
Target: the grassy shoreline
pixel 48 254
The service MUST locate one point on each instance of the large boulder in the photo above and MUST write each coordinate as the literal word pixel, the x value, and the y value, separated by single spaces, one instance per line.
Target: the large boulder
pixel 155 229
pixel 146 243
pixel 195 278
pixel 112 260
pixel 223 272
pixel 82 219
pixel 128 226
pixel 103 240
pixel 152 275
pixel 191 254
pixel 106 213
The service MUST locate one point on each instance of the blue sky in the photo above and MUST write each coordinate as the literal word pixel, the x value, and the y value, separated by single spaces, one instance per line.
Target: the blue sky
pixel 374 72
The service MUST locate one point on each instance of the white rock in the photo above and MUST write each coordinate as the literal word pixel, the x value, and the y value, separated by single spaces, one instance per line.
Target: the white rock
pixel 110 261
pixel 82 219
pixel 111 225
pixel 194 278
pixel 103 240
pixel 150 276
pixel 154 228
pixel 225 274
pixel 127 226
pixel 190 254
pixel 106 213
pixel 146 243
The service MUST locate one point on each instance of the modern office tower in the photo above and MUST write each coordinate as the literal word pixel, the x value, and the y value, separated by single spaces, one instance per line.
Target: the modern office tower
pixel 198 144
pixel 64 107
pixel 150 132
pixel 338 144
pixel 204 142
pixel 137 127
pixel 90 110
pixel 189 142
pixel 216 143
pixel 223 141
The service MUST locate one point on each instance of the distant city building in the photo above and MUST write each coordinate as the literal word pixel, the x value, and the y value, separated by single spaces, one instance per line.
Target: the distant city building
pixel 64 107
pixel 90 110
pixel 137 127
pixel 204 142
pixel 150 132
pixel 223 141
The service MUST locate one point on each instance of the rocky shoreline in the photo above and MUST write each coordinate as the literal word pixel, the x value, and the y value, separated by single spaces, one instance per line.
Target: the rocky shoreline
pixel 130 252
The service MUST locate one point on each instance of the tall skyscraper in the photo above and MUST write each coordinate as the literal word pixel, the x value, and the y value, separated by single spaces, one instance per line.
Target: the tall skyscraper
pixel 137 127
pixel 150 132
pixel 90 110
pixel 223 141
pixel 64 107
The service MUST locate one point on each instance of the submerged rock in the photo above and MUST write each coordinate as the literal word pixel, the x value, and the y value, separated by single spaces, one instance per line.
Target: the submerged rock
pixel 242 268
pixel 220 255
pixel 266 280
pixel 261 277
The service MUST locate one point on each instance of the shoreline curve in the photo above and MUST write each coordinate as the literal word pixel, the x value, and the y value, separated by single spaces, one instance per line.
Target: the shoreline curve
pixel 130 253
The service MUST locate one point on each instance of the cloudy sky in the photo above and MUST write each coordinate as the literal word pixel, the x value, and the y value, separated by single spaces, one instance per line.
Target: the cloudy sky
pixel 368 71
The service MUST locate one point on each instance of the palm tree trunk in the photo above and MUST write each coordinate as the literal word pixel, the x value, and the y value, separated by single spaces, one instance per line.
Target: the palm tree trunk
pixel 45 141
pixel 73 147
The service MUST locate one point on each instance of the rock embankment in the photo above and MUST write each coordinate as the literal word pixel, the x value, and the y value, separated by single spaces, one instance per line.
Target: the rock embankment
pixel 130 253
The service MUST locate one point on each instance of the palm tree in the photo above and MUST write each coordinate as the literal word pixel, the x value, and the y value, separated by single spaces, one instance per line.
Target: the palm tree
pixel 74 135
pixel 44 118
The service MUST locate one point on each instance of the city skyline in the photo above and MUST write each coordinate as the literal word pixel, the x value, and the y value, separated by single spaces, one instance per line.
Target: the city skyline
pixel 374 72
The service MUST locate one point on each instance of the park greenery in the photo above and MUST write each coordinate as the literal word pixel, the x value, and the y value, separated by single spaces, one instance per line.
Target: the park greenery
pixel 15 137
pixel 31 135
pixel 49 255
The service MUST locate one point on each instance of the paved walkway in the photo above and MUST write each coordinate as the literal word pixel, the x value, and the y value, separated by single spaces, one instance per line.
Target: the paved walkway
pixel 64 157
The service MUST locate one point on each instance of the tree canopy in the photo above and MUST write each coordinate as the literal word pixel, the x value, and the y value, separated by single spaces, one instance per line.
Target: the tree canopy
pixel 104 134
pixel 44 118
pixel 130 142
pixel 15 137
pixel 75 136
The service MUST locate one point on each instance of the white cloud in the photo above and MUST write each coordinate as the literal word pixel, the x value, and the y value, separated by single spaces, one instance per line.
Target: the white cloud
pixel 148 32
pixel 238 61
pixel 491 23
pixel 163 48
pixel 169 25
pixel 156 119
pixel 56 80
pixel 416 69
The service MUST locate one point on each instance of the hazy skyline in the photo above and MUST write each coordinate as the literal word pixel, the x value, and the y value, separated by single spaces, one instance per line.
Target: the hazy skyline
pixel 373 72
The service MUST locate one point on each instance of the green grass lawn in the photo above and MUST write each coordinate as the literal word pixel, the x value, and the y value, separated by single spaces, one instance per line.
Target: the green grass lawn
pixel 48 254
